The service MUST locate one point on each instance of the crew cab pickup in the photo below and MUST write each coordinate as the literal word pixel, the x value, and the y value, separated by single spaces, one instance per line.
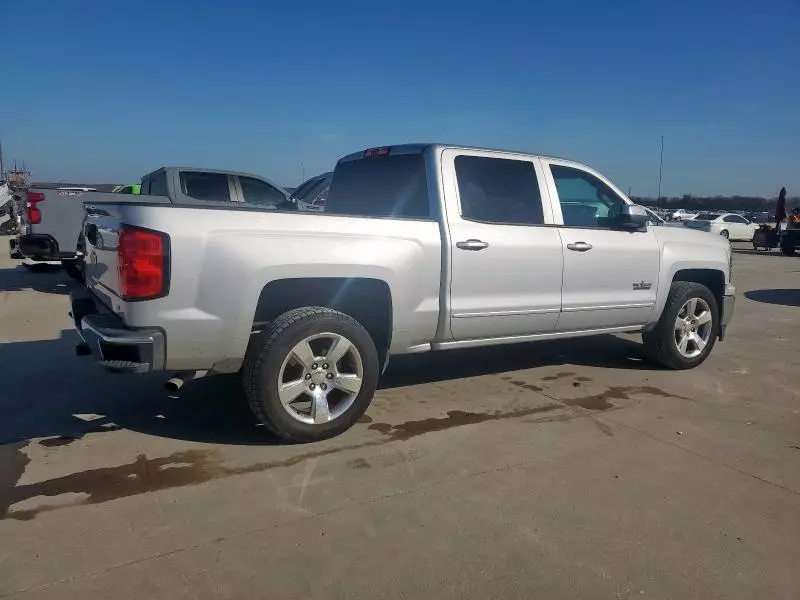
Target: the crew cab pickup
pixel 53 218
pixel 420 247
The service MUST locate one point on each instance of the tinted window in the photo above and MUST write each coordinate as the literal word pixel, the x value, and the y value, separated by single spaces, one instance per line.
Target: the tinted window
pixel 380 186
pixel 734 219
pixel 158 184
pixel 706 216
pixel 498 190
pixel 126 190
pixel 307 185
pixel 585 200
pixel 205 186
pixel 256 191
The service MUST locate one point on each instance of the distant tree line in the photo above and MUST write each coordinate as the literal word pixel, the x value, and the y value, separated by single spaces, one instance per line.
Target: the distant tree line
pixel 731 203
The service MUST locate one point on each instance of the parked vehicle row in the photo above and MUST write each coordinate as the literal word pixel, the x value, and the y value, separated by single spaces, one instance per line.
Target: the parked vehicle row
pixel 418 248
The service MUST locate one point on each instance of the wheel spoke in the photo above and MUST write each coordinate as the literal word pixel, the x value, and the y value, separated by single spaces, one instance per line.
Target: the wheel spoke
pixel 704 318
pixel 683 344
pixel 320 412
pixel 691 306
pixel 699 342
pixel 348 383
pixel 288 392
pixel 338 349
pixel 303 353
pixel 679 323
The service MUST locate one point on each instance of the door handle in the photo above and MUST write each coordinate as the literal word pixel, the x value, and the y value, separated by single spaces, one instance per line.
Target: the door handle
pixel 471 244
pixel 580 246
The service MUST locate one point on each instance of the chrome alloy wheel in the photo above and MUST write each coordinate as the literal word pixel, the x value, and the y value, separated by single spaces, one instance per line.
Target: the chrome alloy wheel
pixel 693 327
pixel 320 378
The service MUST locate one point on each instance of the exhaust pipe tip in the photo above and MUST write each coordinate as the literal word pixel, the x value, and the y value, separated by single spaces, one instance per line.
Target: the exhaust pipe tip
pixel 174 384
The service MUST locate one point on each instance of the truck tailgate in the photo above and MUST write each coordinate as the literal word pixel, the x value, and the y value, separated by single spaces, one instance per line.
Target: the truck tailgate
pixel 101 232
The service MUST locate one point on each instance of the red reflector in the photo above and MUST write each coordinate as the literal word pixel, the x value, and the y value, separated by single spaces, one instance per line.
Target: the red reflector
pixel 382 151
pixel 34 214
pixel 143 265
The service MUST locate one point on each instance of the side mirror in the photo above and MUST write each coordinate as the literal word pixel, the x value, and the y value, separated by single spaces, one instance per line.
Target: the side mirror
pixel 632 217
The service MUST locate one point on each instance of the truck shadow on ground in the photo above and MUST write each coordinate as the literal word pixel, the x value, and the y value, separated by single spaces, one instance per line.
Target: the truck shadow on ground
pixel 49 393
pixel 49 279
pixel 785 297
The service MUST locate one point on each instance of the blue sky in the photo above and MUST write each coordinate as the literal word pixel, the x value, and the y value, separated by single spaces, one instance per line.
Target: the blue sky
pixel 107 91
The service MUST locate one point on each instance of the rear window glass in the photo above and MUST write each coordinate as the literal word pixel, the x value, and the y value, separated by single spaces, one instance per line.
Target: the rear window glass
pixel 212 187
pixel 256 191
pixel 158 184
pixel 380 186
pixel 706 216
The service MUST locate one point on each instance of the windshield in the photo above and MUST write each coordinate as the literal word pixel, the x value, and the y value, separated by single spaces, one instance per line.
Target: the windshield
pixel 308 186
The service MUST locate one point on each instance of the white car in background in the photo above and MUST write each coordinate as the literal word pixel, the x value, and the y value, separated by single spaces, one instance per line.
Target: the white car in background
pixel 682 215
pixel 729 225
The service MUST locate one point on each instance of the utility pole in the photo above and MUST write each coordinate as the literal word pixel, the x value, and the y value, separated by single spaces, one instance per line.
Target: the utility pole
pixel 660 167
pixel 303 169
pixel 2 165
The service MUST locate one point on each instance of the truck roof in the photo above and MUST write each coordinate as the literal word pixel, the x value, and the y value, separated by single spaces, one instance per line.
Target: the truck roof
pixel 204 170
pixel 421 147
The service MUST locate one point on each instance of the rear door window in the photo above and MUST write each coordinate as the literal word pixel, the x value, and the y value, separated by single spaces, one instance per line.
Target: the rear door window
pixel 380 186
pixel 498 190
pixel 255 191
pixel 212 187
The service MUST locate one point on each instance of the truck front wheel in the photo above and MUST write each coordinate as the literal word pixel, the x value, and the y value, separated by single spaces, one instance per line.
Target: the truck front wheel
pixel 687 329
pixel 311 374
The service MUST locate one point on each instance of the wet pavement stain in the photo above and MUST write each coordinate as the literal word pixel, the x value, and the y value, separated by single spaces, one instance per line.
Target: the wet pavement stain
pixel 365 419
pixel 61 440
pixel 191 467
pixel 359 463
pixel 380 427
pixel 525 385
pixel 455 418
pixel 583 379
pixel 559 375
pixel 601 401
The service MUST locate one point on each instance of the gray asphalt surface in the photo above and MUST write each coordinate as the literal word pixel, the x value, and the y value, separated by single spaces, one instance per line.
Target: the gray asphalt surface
pixel 556 470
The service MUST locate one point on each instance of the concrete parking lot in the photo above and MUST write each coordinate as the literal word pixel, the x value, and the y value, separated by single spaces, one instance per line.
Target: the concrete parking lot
pixel 556 470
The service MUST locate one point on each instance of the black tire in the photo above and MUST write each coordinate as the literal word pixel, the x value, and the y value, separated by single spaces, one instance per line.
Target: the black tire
pixel 660 344
pixel 724 233
pixel 266 353
pixel 788 250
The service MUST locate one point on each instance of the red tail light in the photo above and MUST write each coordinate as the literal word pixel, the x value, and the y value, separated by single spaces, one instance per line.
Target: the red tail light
pixel 143 263
pixel 34 214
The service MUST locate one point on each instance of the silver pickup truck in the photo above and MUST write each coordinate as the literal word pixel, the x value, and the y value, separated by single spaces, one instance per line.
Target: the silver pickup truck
pixel 419 248
pixel 53 218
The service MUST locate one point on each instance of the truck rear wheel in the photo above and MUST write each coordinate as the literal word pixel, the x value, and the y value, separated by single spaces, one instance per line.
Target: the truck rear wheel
pixel 687 329
pixel 788 250
pixel 311 374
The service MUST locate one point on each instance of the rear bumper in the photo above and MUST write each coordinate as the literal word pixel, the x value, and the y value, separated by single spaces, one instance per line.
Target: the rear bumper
pixel 115 346
pixel 37 246
pixel 728 300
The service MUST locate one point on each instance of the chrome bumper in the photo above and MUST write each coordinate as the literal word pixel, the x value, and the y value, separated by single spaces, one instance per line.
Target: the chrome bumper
pixel 117 347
